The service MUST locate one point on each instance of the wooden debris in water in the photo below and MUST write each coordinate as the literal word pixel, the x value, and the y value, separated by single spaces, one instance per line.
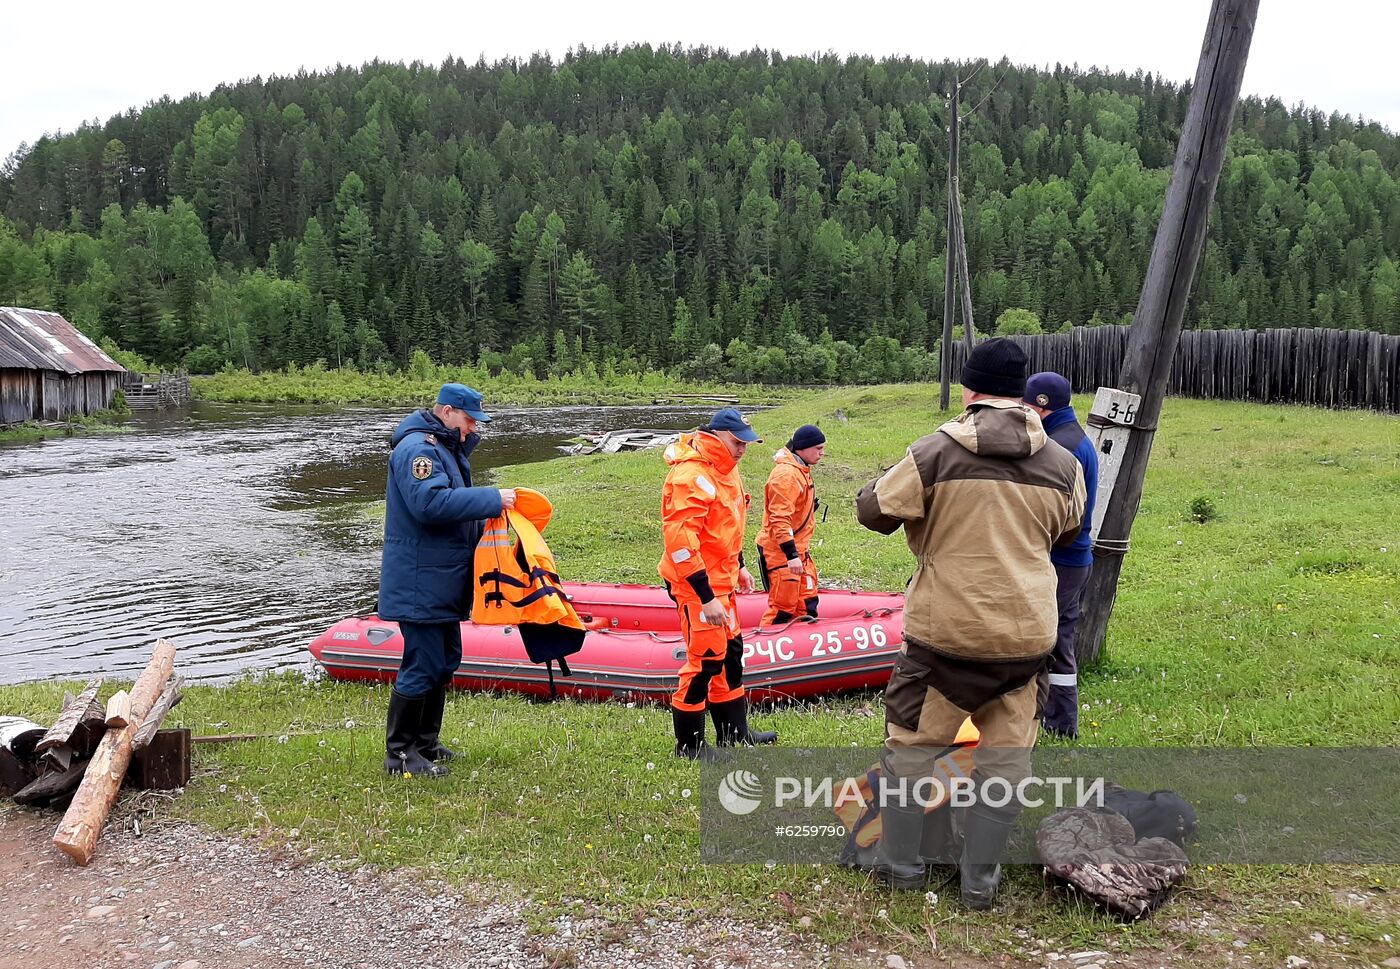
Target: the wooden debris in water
pixel 629 439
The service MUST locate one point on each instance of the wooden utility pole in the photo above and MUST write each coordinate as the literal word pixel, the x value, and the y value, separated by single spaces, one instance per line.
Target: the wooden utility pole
pixel 1156 329
pixel 945 353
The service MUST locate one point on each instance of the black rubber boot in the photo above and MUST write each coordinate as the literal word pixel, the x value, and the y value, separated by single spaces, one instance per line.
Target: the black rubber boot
pixel 402 737
pixel 901 835
pixel 429 746
pixel 732 725
pixel 690 736
pixel 986 830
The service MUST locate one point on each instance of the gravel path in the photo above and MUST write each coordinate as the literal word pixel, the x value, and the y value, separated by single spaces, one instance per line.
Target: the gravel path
pixel 182 897
pixel 186 898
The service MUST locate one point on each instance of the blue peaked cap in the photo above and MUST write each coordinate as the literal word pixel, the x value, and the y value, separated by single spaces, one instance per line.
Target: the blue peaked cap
pixel 463 398
pixel 729 419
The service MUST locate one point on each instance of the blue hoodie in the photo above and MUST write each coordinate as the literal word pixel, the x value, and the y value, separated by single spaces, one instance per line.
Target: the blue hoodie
pixel 1065 431
pixel 432 522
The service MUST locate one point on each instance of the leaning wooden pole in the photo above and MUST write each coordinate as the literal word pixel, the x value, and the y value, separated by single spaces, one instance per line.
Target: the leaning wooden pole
pixel 1156 329
pixel 945 352
pixel 82 825
pixel 964 282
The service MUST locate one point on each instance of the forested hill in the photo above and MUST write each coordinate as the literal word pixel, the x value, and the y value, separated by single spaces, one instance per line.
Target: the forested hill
pixel 672 207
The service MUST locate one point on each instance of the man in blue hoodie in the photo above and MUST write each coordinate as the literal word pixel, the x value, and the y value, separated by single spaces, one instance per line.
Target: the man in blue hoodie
pixel 432 523
pixel 1048 394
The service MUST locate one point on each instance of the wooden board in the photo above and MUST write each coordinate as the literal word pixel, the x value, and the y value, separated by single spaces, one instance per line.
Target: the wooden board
pixel 1110 423
pixel 164 764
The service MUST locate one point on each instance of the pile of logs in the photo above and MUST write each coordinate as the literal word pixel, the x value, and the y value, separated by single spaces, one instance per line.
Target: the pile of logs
pixel 82 760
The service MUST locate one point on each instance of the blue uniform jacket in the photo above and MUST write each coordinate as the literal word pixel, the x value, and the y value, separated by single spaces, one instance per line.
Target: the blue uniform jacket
pixel 1065 431
pixel 432 522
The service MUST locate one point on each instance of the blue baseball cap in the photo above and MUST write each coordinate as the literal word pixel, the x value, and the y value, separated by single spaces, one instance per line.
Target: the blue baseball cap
pixel 729 419
pixel 1047 389
pixel 464 399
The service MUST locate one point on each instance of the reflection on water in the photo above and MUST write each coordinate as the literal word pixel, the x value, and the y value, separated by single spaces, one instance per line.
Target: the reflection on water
pixel 217 527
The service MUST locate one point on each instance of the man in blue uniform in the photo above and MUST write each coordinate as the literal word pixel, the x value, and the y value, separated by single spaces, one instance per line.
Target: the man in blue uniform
pixel 1048 393
pixel 432 522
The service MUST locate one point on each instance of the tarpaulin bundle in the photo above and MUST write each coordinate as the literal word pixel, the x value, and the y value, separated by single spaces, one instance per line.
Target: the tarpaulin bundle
pixel 1125 857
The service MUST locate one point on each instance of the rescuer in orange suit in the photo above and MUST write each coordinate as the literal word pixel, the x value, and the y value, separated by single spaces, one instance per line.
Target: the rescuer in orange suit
pixel 789 518
pixel 703 507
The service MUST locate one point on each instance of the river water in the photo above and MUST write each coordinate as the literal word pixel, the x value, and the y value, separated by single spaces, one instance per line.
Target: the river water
pixel 227 528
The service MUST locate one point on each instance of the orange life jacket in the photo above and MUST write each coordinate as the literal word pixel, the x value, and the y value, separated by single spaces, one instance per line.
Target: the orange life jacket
pixel 703 506
pixel 861 813
pixel 517 584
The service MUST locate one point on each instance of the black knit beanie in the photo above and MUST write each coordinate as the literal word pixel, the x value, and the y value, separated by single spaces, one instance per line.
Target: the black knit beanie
pixel 997 367
pixel 808 435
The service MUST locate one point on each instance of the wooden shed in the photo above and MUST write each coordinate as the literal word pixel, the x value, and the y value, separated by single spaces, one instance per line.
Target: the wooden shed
pixel 49 371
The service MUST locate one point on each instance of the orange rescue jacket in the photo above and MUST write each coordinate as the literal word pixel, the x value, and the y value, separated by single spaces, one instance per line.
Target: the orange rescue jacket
pixel 789 510
pixel 517 583
pixel 703 508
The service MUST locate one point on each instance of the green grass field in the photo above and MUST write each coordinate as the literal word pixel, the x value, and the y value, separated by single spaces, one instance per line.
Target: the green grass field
pixel 1272 622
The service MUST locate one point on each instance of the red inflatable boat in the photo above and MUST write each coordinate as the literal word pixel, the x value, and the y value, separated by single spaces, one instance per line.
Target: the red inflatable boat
pixel 634 649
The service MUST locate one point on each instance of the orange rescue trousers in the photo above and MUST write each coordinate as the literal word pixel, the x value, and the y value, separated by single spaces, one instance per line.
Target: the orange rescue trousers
pixel 789 596
pixel 714 655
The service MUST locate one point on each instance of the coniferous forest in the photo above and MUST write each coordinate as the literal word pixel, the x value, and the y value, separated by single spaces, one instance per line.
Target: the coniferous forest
pixel 745 216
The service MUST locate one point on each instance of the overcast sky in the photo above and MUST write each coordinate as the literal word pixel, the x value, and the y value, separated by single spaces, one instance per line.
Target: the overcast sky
pixel 64 63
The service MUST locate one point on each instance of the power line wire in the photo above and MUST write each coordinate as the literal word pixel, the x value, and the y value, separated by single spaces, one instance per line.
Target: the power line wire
pixel 969 78
pixel 994 87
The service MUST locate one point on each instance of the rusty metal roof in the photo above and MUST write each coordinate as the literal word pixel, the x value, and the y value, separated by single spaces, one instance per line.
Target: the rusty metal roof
pixel 39 340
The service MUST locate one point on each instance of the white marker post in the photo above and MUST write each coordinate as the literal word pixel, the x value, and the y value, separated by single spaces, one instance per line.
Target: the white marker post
pixel 1110 422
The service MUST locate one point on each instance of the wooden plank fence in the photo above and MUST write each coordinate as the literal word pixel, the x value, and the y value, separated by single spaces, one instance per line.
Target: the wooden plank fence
pixel 1317 367
pixel 155 390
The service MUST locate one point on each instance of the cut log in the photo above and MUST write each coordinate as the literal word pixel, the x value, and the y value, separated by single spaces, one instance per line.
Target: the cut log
pixel 119 709
pixel 75 711
pixel 82 824
pixel 171 695
pixel 715 397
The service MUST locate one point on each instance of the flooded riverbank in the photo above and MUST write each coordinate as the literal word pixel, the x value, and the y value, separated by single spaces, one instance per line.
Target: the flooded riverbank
pixel 228 528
